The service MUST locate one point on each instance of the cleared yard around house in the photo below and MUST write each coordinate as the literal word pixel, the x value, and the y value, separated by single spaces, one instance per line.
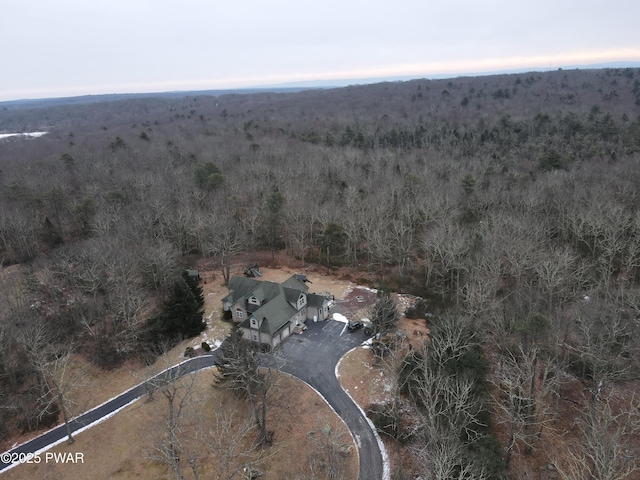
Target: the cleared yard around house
pixel 118 448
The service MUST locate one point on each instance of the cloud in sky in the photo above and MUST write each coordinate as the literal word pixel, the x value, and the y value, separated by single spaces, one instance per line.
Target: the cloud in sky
pixel 76 47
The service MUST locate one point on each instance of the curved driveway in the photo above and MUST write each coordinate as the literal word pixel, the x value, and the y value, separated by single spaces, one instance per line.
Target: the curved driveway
pixel 311 357
pixel 95 415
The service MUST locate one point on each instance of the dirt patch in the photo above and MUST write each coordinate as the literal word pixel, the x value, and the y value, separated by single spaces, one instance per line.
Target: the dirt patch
pixel 356 302
pixel 279 267
pixel 364 378
pixel 415 331
pixel 369 382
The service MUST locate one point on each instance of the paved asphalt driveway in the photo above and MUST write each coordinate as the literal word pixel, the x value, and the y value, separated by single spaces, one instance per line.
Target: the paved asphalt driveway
pixel 312 357
pixel 46 440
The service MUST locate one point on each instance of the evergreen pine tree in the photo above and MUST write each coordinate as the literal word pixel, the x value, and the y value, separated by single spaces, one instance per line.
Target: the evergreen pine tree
pixel 196 289
pixel 181 315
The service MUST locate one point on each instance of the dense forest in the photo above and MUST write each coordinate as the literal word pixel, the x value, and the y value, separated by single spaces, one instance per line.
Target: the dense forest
pixel 510 203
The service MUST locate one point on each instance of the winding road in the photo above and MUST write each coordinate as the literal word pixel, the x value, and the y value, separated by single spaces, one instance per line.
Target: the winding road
pixel 312 357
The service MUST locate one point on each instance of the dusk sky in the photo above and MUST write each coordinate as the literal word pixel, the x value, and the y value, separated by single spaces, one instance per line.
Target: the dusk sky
pixel 78 47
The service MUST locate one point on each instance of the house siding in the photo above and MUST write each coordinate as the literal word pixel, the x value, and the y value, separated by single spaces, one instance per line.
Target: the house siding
pixel 321 312
pixel 239 313
pixel 269 304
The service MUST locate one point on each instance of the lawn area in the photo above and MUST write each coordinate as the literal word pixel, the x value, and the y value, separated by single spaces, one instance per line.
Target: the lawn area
pixel 121 446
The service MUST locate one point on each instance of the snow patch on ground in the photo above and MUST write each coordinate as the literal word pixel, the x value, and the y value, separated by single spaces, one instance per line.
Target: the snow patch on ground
pixel 367 289
pixel 199 340
pixel 204 336
pixel 340 318
pixel 406 301
pixel 351 288
pixel 26 134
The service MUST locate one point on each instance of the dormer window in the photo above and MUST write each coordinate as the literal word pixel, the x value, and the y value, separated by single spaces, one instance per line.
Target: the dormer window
pixel 239 313
pixel 253 300
pixel 254 323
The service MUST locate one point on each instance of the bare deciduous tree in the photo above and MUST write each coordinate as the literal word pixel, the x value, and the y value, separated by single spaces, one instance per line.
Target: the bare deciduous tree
pixel 446 248
pixel 444 458
pixel 384 313
pixel 448 402
pixel 225 244
pixel 525 386
pixel 557 273
pixel 227 438
pixel 603 343
pixel 300 236
pixel 604 448
pixel 240 371
pixel 158 265
pixel 57 373
pixel 169 443
pixel 327 459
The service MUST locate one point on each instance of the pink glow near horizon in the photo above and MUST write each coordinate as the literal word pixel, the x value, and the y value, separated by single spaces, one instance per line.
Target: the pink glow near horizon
pixel 425 69
pixel 74 47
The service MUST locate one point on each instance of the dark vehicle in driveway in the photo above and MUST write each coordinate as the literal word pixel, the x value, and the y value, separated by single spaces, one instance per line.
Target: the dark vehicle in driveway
pixel 353 326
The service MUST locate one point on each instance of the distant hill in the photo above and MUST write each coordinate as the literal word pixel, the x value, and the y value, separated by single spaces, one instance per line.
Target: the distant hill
pixel 288 87
pixel 114 97
pixel 332 83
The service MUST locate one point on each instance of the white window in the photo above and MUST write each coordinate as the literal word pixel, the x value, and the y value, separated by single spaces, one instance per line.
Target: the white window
pixel 239 313
pixel 254 301
pixel 302 301
pixel 255 337
pixel 254 323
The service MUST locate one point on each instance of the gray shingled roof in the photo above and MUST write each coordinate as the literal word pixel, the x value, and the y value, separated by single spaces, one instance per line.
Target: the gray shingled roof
pixel 315 300
pixel 276 315
pixel 291 295
pixel 240 287
pixel 276 309
pixel 294 283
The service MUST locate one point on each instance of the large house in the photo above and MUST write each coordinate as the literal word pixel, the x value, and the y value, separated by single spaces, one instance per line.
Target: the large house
pixel 267 312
